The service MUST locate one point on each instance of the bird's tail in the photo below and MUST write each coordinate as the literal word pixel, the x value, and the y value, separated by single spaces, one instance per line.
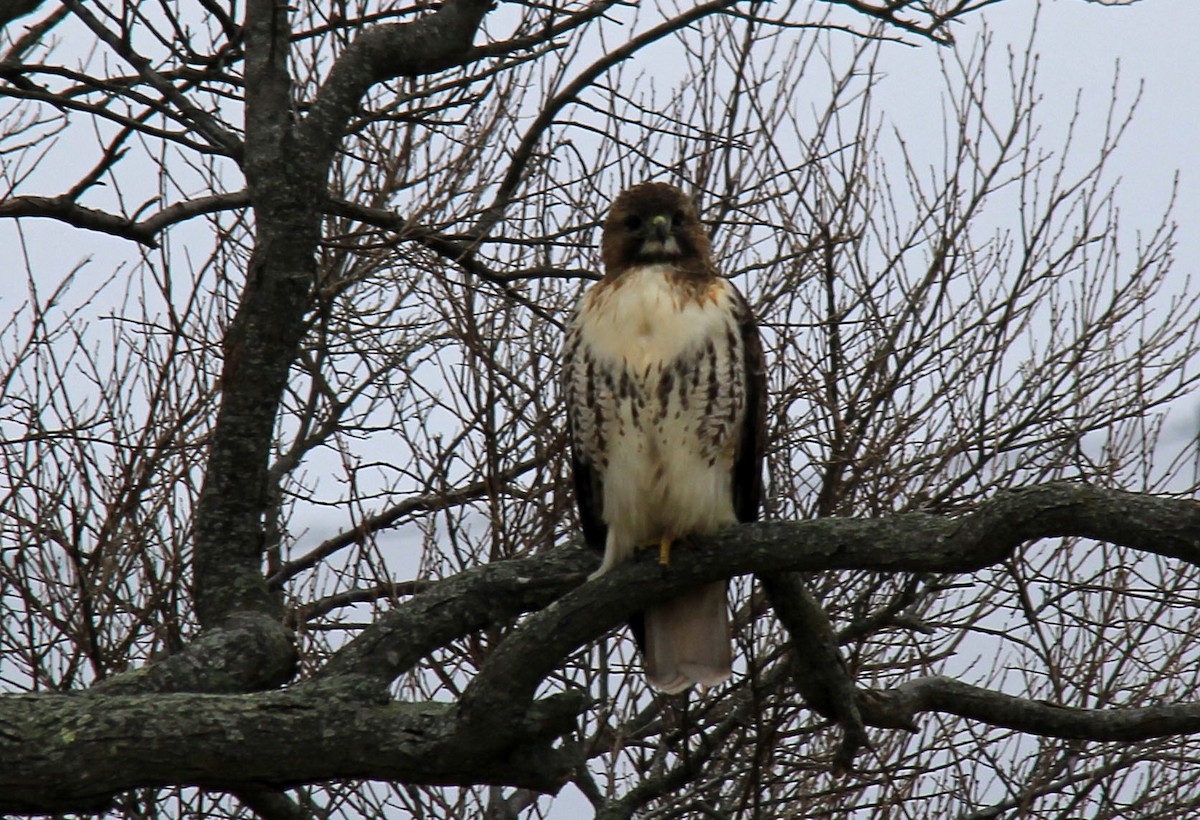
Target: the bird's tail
pixel 687 640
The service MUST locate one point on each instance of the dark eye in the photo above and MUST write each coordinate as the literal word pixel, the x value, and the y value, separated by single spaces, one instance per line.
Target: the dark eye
pixel 677 219
pixel 633 222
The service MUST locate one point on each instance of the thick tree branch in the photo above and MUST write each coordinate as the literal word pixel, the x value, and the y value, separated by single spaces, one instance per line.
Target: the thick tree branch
pixel 112 743
pixel 216 661
pixel 65 209
pixel 263 337
pixel 915 542
pixel 432 43
pixel 287 166
pixel 818 670
pixel 272 804
pixel 345 727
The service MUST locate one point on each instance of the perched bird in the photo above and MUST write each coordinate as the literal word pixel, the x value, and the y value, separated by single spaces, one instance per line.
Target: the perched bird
pixel 665 388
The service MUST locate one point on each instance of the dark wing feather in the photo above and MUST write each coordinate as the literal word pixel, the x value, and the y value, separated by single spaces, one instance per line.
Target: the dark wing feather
pixel 589 498
pixel 589 486
pixel 747 465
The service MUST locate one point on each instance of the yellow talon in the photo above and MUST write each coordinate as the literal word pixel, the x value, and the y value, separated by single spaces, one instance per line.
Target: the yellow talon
pixel 664 550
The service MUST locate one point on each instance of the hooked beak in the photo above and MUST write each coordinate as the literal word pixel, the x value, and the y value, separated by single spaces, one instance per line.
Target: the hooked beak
pixel 660 228
pixel 659 241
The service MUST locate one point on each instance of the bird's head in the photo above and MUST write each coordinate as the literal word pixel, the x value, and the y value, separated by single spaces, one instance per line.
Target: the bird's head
pixel 653 223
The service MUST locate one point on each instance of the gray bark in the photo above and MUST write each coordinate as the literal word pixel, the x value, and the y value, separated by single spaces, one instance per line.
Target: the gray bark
pixel 343 726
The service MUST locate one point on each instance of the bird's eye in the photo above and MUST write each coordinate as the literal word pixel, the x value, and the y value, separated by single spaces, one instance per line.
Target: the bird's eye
pixel 677 219
pixel 633 222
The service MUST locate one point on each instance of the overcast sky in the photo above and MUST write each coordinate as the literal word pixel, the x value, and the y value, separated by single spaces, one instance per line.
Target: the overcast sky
pixel 1154 41
pixel 1081 45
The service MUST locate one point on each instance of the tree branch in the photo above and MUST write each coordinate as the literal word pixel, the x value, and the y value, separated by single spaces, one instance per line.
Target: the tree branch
pixel 449 609
pixel 522 153
pixel 818 669
pixel 432 43
pixel 12 9
pixel 915 542
pixel 346 729
pixel 216 661
pixel 66 209
pixel 112 743
pixel 272 804
pixel 390 516
pixel 199 120
pixel 461 253
pixel 287 168
pixel 949 696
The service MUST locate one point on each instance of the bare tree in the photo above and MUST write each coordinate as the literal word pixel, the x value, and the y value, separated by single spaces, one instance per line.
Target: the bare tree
pixel 286 527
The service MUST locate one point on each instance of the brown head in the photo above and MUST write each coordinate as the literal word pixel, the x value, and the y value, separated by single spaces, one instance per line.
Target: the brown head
pixel 654 223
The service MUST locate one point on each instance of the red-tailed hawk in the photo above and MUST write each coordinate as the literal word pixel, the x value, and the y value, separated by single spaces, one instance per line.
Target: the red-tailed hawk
pixel 664 386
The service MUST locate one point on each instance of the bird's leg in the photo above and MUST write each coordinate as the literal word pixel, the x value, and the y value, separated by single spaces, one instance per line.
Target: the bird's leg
pixel 664 550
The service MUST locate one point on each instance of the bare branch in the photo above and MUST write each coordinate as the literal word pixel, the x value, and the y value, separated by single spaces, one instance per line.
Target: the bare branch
pixel 201 121
pixel 145 231
pixel 949 696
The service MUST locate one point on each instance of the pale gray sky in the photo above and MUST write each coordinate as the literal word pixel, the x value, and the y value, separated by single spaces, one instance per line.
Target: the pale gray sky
pixel 1081 46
